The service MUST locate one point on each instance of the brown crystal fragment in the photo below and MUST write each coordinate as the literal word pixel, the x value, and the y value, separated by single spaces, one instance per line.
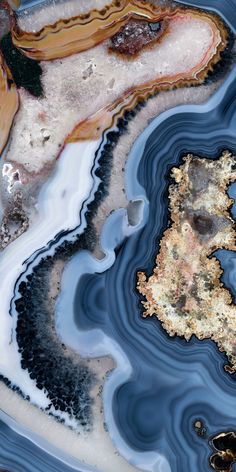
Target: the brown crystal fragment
pixel 135 35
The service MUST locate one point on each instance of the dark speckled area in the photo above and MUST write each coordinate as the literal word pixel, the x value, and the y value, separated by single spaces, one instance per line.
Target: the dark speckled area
pixel 173 382
pixel 170 383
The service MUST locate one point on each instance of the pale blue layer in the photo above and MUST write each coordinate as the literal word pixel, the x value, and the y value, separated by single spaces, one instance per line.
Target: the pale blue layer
pixel 172 382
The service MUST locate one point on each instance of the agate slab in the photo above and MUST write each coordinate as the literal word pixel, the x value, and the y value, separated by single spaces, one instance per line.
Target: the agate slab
pixel 117 237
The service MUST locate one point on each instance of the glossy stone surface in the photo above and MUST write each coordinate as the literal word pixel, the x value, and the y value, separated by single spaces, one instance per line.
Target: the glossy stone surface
pixel 104 100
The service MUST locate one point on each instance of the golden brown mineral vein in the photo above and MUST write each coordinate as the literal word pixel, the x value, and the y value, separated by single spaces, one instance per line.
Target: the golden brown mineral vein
pixel 185 291
pixel 9 102
pixel 71 109
pixel 72 36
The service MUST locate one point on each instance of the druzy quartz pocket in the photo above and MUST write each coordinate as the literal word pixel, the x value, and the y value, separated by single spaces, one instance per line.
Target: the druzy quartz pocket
pixel 117 235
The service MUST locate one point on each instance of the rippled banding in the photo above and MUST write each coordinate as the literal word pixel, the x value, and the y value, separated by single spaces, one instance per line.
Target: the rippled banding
pixel 161 68
pixel 43 126
pixel 71 36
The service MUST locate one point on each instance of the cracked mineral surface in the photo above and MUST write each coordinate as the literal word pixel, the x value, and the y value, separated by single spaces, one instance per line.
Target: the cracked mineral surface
pixel 185 291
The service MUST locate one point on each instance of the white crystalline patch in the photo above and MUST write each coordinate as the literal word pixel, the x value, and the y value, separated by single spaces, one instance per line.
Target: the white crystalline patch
pixel 35 18
pixel 182 49
pixel 70 98
pixel 9 173
pixel 59 206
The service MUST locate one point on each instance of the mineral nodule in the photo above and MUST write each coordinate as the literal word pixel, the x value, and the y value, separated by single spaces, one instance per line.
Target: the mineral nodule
pixel 223 459
pixel 132 37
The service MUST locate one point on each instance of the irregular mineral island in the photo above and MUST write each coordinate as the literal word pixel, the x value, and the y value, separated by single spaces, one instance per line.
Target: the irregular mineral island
pixel 185 291
pixel 225 456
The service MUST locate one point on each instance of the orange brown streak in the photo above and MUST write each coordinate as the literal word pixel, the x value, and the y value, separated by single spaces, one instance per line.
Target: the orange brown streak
pixel 16 3
pixel 80 33
pixel 9 102
pixel 93 127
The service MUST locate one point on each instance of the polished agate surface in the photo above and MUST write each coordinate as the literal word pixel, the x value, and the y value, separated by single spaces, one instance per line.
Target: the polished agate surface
pixel 117 236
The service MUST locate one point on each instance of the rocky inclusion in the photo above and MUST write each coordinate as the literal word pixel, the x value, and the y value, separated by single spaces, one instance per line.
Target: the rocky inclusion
pixel 185 291
pixel 135 35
